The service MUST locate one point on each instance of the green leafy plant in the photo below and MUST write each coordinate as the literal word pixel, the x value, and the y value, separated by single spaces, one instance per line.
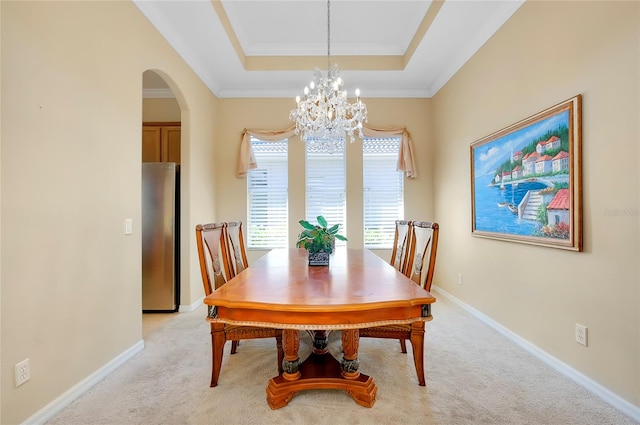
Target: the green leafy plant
pixel 318 237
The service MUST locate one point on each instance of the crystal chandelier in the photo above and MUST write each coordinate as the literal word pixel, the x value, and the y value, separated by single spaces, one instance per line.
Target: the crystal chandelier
pixel 324 116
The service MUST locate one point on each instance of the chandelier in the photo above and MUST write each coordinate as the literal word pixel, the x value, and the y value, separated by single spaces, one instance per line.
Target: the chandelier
pixel 324 116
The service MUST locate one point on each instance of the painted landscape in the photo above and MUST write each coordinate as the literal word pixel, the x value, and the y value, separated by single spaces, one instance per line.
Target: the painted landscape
pixel 522 180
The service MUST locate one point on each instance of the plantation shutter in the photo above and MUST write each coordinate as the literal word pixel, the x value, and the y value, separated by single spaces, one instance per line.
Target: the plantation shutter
pixel 326 187
pixel 383 196
pixel 267 192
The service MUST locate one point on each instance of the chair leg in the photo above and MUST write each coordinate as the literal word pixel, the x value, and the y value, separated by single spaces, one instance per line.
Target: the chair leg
pixel 417 342
pixel 280 353
pixel 217 349
pixel 234 346
pixel 403 345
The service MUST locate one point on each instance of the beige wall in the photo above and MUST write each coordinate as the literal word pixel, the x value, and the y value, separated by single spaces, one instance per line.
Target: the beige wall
pixel 549 52
pixel 272 114
pixel 70 175
pixel 160 110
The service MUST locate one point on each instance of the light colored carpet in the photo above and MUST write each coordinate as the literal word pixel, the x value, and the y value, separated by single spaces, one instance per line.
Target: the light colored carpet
pixel 474 376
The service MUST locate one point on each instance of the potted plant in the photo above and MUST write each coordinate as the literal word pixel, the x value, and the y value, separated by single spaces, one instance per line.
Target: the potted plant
pixel 319 240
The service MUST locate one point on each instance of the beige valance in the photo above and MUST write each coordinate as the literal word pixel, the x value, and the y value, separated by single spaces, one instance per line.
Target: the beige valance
pixel 247 161
pixel 406 162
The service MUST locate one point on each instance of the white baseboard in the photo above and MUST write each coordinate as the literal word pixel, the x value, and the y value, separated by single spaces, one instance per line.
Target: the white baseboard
pixel 608 396
pixel 56 406
pixel 190 307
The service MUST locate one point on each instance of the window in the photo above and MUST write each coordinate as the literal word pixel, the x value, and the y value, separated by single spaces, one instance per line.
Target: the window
pixel 326 186
pixel 383 195
pixel 267 190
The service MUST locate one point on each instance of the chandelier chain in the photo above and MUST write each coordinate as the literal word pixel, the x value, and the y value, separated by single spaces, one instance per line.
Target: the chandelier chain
pixel 328 34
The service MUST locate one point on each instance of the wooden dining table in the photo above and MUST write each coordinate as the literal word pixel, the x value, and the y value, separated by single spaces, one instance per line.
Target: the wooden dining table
pixel 357 290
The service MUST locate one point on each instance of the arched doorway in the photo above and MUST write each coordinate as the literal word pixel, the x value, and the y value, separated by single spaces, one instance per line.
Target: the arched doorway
pixel 161 169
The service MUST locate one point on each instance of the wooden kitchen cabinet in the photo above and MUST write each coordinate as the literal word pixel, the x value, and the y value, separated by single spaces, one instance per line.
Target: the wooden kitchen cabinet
pixel 161 142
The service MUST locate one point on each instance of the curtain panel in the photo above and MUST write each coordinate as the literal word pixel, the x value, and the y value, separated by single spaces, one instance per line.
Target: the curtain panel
pixel 247 160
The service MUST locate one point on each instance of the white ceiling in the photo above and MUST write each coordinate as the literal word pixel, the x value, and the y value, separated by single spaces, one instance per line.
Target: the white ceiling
pixel 269 48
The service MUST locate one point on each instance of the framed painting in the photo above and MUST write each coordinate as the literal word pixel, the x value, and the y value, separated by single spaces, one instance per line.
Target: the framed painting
pixel 526 183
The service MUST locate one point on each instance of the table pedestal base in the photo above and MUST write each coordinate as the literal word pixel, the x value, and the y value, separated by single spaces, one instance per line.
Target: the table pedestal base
pixel 321 371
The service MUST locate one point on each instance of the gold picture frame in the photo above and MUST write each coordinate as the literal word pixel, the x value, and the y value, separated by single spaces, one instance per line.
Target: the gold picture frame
pixel 526 180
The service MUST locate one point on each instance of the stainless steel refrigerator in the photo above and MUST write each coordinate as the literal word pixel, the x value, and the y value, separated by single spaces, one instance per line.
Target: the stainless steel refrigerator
pixel 160 236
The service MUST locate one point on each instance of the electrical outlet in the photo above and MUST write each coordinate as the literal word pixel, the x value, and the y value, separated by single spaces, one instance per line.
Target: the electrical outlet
pixel 459 278
pixel 581 334
pixel 23 373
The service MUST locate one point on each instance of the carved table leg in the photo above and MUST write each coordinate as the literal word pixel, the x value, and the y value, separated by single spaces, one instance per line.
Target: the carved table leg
pixel 320 370
pixel 280 351
pixel 291 362
pixel 350 362
pixel 278 392
pixel 320 342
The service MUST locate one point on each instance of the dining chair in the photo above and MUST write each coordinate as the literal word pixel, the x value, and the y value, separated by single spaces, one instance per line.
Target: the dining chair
pixel 215 270
pixel 237 256
pixel 237 253
pixel 399 255
pixel 400 245
pixel 423 248
pixel 421 260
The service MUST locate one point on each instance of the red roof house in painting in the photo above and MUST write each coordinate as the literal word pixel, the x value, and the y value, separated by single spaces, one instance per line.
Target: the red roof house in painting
pixel 558 208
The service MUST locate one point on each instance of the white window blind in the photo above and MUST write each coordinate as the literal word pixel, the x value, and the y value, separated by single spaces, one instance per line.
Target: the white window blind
pixel 267 192
pixel 326 187
pixel 383 195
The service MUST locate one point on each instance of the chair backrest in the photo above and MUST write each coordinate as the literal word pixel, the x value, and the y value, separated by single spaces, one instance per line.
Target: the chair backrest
pixel 422 252
pixel 213 255
pixel 235 241
pixel 400 245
